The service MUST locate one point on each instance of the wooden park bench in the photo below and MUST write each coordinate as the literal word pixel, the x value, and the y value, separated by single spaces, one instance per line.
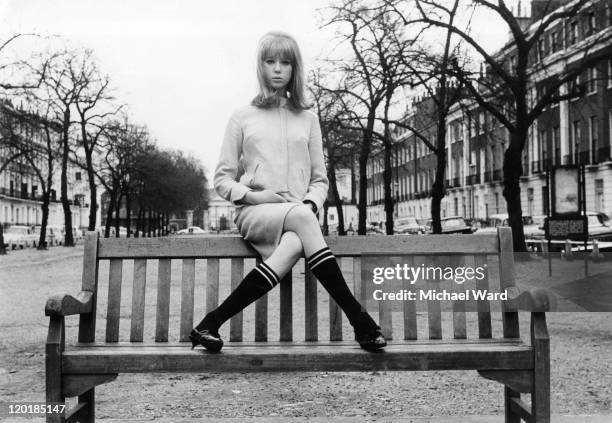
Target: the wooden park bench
pixel 416 340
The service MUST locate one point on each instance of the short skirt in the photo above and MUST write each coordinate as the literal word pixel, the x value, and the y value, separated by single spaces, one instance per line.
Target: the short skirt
pixel 262 225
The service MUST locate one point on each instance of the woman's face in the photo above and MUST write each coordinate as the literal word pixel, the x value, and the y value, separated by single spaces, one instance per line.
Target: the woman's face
pixel 277 72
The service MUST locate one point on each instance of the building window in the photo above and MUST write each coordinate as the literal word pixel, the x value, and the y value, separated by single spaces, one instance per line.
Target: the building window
pixel 573 32
pixel 592 80
pixel 556 145
pixel 575 89
pixel 554 41
pixel 591 23
pixel 541 49
pixel 599 195
pixel 594 135
pixel 77 176
pixel 574 146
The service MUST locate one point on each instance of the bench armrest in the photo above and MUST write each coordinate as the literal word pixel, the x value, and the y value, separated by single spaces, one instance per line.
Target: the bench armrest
pixel 534 300
pixel 67 305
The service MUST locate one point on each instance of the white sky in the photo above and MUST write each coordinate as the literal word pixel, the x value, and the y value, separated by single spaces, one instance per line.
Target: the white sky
pixel 183 66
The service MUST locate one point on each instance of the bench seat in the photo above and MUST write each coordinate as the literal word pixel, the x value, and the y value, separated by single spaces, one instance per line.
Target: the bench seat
pixel 295 356
pixel 159 283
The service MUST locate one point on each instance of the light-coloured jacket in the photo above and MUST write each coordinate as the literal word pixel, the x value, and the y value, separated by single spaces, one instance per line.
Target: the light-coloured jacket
pixel 275 149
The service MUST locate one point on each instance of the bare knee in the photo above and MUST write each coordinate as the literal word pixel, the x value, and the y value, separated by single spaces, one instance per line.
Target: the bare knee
pixel 292 245
pixel 301 217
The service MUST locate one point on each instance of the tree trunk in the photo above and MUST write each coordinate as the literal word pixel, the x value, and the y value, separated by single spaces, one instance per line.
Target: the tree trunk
pixel 2 248
pixel 93 202
pixel 437 192
pixel 68 238
pixel 364 154
pixel 331 173
pixel 117 210
pixel 388 171
pixel 149 223
pixel 325 223
pixel 513 170
pixel 42 239
pixel 128 211
pixel 109 212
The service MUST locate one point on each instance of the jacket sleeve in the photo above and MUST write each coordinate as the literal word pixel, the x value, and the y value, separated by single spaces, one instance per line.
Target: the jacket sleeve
pixel 226 172
pixel 319 184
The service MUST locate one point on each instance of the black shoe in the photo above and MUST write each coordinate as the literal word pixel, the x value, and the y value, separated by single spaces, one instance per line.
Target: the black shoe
pixel 209 340
pixel 372 340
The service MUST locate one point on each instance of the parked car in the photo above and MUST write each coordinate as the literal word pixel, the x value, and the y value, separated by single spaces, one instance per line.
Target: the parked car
pixel 501 219
pixel 535 230
pixel 454 225
pixel 599 226
pixel 372 228
pixel 192 230
pixel 18 236
pixel 408 225
pixel 50 238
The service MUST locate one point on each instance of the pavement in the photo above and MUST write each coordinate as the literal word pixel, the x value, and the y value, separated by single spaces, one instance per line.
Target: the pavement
pixel 599 418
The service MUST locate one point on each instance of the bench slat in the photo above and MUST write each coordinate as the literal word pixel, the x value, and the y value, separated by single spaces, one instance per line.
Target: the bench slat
pixel 295 357
pixel 310 305
pixel 163 300
pixel 385 319
pixel 286 307
pixel 235 246
pixel 335 313
pixel 484 307
pixel 237 274
pixel 212 284
pixel 506 278
pixel 409 307
pixel 89 282
pixel 138 300
pixel 434 316
pixel 261 317
pixel 459 321
pixel 187 291
pixel 114 300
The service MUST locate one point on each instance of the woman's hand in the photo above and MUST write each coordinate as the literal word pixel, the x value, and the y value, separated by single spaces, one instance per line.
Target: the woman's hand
pixel 261 197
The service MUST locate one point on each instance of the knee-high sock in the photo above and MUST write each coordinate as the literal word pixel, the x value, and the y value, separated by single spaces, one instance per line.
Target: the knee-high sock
pixel 325 267
pixel 255 284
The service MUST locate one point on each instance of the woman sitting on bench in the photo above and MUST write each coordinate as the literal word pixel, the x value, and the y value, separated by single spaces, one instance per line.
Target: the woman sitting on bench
pixel 272 167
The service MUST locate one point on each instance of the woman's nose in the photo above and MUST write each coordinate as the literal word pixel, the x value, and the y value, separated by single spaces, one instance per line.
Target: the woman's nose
pixel 277 66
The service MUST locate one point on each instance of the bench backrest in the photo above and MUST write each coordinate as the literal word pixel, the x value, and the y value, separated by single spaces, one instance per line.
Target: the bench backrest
pixel 358 255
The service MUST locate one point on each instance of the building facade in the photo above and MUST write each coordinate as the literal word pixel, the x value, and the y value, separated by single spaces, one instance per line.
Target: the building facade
pixel 20 191
pixel 571 131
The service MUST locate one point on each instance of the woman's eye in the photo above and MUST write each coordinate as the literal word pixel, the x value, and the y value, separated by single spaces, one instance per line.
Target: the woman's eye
pixel 286 62
pixel 269 61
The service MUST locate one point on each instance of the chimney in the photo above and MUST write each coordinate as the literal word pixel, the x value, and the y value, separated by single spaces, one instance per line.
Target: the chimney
pixel 541 8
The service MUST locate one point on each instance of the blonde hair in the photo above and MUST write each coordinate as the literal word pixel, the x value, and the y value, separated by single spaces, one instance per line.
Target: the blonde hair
pixel 283 45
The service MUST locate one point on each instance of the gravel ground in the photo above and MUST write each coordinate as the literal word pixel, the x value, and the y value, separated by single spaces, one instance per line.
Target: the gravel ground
pixel 581 344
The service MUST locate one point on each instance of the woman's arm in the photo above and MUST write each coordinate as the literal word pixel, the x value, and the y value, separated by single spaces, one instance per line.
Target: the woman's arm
pixel 319 184
pixel 227 168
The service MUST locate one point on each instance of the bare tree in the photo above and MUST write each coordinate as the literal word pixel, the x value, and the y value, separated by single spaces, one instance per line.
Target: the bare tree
pixel 506 90
pixel 369 81
pixel 71 83
pixel 338 142
pixel 432 74
pixel 91 101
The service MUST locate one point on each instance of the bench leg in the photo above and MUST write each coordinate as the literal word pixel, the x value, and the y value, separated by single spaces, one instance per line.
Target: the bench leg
pixel 540 396
pixel 53 366
pixel 511 417
pixel 89 412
